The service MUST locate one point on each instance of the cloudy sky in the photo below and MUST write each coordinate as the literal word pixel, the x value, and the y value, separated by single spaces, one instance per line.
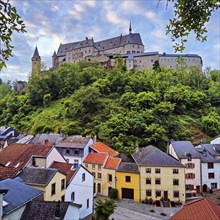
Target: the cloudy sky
pixel 51 22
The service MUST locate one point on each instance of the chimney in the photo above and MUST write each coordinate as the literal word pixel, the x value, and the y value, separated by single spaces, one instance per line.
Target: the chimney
pixel 46 142
pixel 2 192
pixel 94 139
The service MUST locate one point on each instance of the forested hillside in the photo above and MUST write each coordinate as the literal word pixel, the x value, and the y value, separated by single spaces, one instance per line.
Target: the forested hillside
pixel 123 108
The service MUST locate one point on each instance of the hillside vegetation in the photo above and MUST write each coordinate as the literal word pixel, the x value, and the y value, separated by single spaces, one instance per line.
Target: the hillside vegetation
pixel 123 108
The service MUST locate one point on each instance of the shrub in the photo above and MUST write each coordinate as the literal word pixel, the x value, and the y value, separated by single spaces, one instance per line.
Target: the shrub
pixel 113 193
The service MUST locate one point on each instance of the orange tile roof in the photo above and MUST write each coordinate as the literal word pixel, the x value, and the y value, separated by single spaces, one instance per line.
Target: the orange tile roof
pixel 103 148
pixel 7 172
pixel 112 163
pixel 21 153
pixel 66 168
pixel 96 158
pixel 201 209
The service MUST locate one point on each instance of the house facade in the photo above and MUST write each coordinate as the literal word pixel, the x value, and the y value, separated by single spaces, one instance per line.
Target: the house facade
pixel 128 181
pixel 79 189
pixel 74 148
pixel 51 181
pixel 186 154
pixel 161 176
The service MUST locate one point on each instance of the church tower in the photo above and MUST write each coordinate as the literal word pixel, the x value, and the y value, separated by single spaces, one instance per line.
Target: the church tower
pixel 36 61
pixel 54 60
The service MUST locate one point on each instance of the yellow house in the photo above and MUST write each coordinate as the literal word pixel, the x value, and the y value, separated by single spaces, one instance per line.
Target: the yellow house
pixel 161 176
pixel 51 181
pixel 128 181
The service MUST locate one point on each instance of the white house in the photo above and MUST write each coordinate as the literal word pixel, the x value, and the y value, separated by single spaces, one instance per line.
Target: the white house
pixel 74 148
pixel 185 152
pixel 79 187
pixel 210 170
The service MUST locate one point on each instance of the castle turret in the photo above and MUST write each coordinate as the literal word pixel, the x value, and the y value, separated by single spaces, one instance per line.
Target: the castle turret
pixel 36 61
pixel 54 60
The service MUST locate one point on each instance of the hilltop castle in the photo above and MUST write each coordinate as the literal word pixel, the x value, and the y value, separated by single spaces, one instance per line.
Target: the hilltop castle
pixel 129 46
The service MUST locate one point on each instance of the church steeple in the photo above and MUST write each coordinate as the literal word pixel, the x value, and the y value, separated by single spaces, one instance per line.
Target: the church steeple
pixel 36 61
pixel 130 30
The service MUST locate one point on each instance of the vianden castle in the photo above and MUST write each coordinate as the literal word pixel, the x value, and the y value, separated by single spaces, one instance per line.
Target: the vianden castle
pixel 130 47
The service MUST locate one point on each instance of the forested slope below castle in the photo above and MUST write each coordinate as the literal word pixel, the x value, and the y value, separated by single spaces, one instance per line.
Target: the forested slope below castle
pixel 123 108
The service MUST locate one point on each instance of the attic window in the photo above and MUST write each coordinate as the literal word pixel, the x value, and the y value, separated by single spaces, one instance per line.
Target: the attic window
pixel 7 164
pixel 17 165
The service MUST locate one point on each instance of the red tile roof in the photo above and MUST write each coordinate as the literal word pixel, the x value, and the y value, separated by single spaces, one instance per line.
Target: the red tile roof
pixel 112 163
pixel 19 154
pixel 66 168
pixel 201 209
pixel 7 172
pixel 96 158
pixel 103 148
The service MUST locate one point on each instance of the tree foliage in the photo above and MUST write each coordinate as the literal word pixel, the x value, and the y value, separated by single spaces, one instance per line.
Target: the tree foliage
pixel 190 16
pixel 10 22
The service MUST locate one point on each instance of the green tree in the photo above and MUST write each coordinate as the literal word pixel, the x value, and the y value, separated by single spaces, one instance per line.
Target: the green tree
pixel 10 22
pixel 103 209
pixel 190 16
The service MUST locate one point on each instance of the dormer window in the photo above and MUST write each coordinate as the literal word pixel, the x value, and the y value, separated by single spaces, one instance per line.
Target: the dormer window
pixel 17 165
pixel 8 163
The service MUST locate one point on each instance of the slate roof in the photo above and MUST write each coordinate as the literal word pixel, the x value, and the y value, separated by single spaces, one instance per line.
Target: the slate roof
pixel 38 176
pixel 178 55
pixel 26 139
pixel 182 148
pixel 66 168
pixel 100 147
pixel 128 167
pixel 206 157
pixel 36 54
pixel 152 156
pixel 96 158
pixel 40 138
pixel 132 38
pixel 18 194
pixel 213 149
pixel 20 154
pixel 112 163
pixel 201 209
pixel 75 141
pixel 46 210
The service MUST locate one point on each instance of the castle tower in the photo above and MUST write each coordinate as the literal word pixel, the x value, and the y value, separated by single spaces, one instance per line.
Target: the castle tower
pixel 36 61
pixel 54 60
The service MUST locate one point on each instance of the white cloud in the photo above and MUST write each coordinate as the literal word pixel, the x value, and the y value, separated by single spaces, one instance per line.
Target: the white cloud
pixel 153 17
pixel 77 11
pixel 160 34
pixel 55 8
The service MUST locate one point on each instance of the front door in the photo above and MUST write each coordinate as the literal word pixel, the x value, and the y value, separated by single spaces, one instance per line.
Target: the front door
pixel 165 195
pixel 204 188
pixel 198 189
pixel 109 190
pixel 127 193
pixel 99 187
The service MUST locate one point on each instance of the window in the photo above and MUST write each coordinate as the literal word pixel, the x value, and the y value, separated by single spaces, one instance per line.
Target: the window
pixel 157 170
pixel 62 198
pixel 211 175
pixel 189 187
pixel 99 167
pixel 158 193
pixel 148 170
pixel 175 182
pixel 93 173
pixel 73 196
pixel 214 185
pixel 190 165
pixel 93 166
pixel 127 179
pixel 157 181
pixel 83 177
pixel 86 165
pixel 190 175
pixel 99 176
pixel 62 184
pixel 148 192
pixel 210 165
pixel 53 188
pixel 76 152
pixel 176 194
pixel 175 171
pixel 87 203
pixel 109 177
pixel 148 180
pixel 67 151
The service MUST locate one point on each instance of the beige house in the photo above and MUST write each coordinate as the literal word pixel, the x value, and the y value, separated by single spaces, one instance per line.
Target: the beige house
pixel 51 181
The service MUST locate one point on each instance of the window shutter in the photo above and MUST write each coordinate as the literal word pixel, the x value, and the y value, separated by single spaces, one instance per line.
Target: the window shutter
pixel 193 165
pixel 193 175
pixel 186 176
pixel 186 165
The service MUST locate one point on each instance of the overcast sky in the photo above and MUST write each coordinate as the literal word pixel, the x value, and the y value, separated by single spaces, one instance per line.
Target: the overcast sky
pixel 49 23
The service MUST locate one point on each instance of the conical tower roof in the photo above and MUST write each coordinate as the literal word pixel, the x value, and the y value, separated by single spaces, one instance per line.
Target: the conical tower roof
pixel 36 54
pixel 54 54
